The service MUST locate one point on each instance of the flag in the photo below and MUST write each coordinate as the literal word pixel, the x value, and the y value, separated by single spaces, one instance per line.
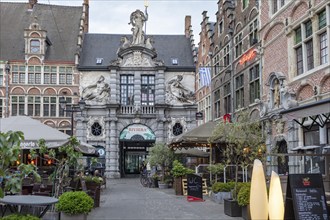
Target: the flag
pixel 205 76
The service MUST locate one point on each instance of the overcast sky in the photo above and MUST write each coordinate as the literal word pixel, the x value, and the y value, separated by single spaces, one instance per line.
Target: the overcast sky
pixel 165 17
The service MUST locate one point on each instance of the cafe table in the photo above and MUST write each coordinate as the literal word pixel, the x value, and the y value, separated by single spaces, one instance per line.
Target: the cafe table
pixel 16 203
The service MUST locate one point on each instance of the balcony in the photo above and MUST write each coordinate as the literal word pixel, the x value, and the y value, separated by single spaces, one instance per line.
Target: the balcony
pixel 143 110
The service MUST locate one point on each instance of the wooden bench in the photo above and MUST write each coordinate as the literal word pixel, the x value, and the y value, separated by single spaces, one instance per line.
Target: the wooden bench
pixel 185 191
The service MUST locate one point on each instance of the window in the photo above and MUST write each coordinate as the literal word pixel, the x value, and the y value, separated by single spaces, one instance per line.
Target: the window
pixel 17 105
pixel 34 103
pixel 63 113
pixel 226 56
pixel 216 97
pixel 50 74
pixel 238 45
pixel 254 83
pixel 277 4
pixel 148 90
pixel 323 38
pixel 34 46
pixel 220 28
pixel 96 129
pixel 177 129
pixel 1 76
pixel 239 91
pixel 305 49
pixel 65 75
pixel 245 3
pixel 49 104
pixel 323 48
pixel 253 35
pixel 1 108
pixel 127 89
pixel 18 74
pixel 34 75
pixel 227 98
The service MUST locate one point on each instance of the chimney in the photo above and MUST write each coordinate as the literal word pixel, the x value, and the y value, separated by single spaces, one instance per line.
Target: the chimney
pixel 32 3
pixel 187 25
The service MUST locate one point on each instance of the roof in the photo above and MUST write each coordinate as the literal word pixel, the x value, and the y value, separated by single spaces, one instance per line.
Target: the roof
pixel 60 22
pixel 106 45
pixel 198 135
pixel 34 130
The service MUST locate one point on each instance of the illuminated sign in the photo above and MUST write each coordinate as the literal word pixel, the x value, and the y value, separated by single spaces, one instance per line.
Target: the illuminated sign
pixel 137 129
pixel 248 56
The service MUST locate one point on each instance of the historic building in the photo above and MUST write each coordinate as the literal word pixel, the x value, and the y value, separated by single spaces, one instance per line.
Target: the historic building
pixel 39 52
pixel 295 105
pixel 203 80
pixel 138 91
pixel 235 59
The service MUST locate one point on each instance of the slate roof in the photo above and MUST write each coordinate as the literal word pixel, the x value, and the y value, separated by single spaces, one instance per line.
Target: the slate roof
pixel 106 45
pixel 60 22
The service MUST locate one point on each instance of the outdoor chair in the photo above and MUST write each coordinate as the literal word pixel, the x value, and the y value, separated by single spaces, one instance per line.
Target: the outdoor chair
pixel 36 187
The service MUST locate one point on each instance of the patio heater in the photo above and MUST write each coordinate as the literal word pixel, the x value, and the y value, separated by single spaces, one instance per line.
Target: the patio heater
pixel 72 108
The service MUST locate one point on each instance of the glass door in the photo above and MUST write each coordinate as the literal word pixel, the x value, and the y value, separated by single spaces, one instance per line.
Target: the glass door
pixel 133 161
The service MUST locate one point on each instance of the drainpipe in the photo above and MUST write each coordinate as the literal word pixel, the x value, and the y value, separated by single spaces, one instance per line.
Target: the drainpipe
pixel 7 68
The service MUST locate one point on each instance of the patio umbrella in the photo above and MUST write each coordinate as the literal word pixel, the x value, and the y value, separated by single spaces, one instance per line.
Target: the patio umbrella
pixel 34 130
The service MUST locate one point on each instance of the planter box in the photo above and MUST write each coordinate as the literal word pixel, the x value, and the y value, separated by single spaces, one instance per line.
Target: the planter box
pixel 162 185
pixel 73 217
pixel 231 208
pixel 220 196
pixel 178 186
pixel 246 212
pixel 94 190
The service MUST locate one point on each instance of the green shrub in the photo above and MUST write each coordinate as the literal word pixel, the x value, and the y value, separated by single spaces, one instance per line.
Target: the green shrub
pixel 222 187
pixel 20 217
pixel 73 203
pixel 179 170
pixel 94 179
pixel 243 197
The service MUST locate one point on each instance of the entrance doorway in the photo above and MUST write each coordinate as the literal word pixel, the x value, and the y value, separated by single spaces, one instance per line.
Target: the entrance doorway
pixel 133 154
pixel 134 141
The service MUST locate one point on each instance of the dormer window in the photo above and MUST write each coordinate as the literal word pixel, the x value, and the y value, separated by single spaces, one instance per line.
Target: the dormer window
pixel 35 46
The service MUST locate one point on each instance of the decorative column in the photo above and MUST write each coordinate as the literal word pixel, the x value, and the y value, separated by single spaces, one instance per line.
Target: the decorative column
pixel 113 151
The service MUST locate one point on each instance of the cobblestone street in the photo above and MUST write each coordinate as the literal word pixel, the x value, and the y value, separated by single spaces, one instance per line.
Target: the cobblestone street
pixel 128 199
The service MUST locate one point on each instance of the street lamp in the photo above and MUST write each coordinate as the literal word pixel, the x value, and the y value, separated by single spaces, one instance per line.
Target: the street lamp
pixel 72 108
pixel 7 68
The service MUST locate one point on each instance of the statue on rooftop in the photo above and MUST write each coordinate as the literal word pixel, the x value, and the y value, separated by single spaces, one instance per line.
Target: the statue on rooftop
pixel 137 20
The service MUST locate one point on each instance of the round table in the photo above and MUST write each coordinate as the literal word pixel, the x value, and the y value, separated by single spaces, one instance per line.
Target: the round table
pixel 20 201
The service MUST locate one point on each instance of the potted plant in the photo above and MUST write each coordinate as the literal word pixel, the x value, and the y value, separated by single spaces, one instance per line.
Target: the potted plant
pixel 243 199
pixel 162 156
pixel 244 142
pixel 93 187
pixel 179 171
pixel 155 179
pixel 20 217
pixel 221 191
pixel 9 155
pixel 74 205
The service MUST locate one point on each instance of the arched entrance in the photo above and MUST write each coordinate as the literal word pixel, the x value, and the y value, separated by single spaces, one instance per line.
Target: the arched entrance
pixel 134 142
pixel 282 161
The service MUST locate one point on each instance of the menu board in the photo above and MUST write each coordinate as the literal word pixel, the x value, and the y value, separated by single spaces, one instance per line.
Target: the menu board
pixel 194 188
pixel 305 198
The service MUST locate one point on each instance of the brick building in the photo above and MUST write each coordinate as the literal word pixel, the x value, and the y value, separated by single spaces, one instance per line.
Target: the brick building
pixel 39 52
pixel 295 105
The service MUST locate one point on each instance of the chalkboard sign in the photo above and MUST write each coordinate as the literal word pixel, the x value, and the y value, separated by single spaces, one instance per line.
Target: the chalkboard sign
pixel 305 198
pixel 194 188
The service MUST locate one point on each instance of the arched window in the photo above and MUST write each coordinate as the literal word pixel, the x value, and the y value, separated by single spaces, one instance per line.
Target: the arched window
pixel 35 46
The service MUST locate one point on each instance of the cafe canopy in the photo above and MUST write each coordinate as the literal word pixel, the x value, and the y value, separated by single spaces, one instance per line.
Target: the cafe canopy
pixel 34 130
pixel 197 137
